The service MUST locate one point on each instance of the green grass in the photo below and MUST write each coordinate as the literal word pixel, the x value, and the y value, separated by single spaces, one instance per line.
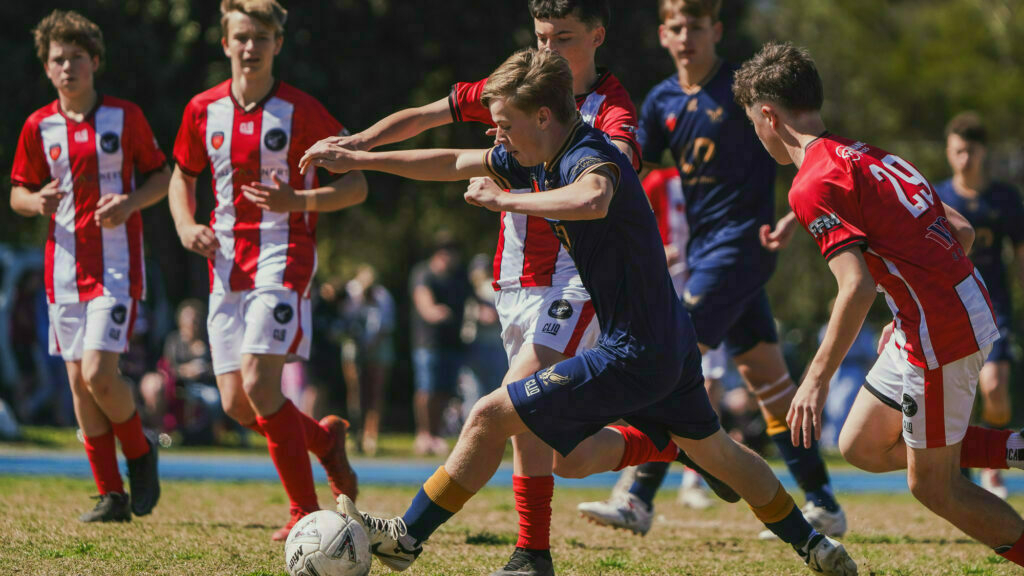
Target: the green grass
pixel 219 528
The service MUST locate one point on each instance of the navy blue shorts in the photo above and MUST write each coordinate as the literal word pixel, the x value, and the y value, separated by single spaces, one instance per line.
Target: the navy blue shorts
pixel 723 311
pixel 565 404
pixel 1002 348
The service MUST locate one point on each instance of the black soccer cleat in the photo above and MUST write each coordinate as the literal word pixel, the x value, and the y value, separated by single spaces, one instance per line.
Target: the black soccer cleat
pixel 110 507
pixel 144 480
pixel 721 489
pixel 525 562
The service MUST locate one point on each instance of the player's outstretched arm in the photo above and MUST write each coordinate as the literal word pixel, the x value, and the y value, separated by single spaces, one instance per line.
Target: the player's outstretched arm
pixel 114 209
pixel 43 202
pixel 585 199
pixel 436 165
pixel 856 293
pixel 181 196
pixel 399 126
pixel 962 229
pixel 280 196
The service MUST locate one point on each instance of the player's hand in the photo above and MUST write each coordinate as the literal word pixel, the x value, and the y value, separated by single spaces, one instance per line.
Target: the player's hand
pixel 883 339
pixel 350 141
pixel 328 155
pixel 671 255
pixel 777 239
pixel 804 417
pixel 277 197
pixel 199 239
pixel 112 210
pixel 49 198
pixel 485 193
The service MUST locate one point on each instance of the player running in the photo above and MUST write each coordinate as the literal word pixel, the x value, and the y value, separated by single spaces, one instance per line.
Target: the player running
pixel 728 182
pixel 261 242
pixel 545 312
pixel 880 225
pixel 645 367
pixel 89 162
pixel 995 211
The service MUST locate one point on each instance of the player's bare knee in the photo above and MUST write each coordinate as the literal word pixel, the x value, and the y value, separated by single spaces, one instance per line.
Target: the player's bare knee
pixel 859 453
pixel 570 467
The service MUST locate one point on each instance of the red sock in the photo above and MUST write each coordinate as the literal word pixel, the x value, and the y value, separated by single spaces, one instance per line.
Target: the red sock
pixel 133 441
pixel 533 502
pixel 984 448
pixel 640 449
pixel 318 440
pixel 102 455
pixel 287 447
pixel 255 427
pixel 1015 553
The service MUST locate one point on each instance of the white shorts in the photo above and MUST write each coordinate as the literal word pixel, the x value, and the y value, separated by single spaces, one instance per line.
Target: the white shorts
pixel 274 321
pixel 936 404
pixel 561 318
pixel 103 323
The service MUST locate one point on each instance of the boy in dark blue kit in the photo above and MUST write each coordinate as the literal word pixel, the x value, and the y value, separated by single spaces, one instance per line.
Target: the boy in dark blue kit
pixel 645 368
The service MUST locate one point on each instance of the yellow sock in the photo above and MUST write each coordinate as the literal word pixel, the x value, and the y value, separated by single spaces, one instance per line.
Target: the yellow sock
pixel 445 492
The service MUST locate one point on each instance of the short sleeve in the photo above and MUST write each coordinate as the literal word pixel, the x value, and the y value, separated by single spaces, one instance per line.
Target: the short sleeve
pixel 827 209
pixel 146 154
pixel 587 160
pixel 618 120
pixel 464 102
pixel 1014 216
pixel 30 168
pixel 508 173
pixel 650 134
pixel 189 146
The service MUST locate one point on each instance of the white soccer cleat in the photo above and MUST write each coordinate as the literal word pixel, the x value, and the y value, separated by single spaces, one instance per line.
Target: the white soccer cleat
pixel 992 481
pixel 693 492
pixel 825 522
pixel 389 538
pixel 827 556
pixel 623 510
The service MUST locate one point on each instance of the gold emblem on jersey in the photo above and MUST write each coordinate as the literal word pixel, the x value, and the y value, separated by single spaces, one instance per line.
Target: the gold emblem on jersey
pixel 549 377
pixel 716 115
pixel 690 300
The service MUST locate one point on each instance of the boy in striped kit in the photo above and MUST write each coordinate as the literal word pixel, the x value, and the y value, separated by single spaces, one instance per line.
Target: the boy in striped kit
pixel 89 163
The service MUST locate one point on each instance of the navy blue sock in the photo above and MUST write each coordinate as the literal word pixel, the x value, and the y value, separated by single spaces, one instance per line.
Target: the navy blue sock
pixel 793 529
pixel 649 477
pixel 424 516
pixel 808 468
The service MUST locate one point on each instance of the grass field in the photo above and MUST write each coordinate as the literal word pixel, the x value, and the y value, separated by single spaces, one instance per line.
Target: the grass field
pixel 224 529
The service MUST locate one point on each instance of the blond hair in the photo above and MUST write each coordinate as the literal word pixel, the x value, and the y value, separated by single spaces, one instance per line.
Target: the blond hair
pixel 694 8
pixel 530 79
pixel 269 12
pixel 70 27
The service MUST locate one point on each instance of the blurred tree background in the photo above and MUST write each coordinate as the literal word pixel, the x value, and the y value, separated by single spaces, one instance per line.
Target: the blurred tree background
pixel 895 71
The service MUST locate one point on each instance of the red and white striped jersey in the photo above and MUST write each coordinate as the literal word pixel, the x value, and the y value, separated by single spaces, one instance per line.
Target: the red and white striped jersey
pixel 257 249
pixel 106 153
pixel 664 189
pixel 848 193
pixel 528 253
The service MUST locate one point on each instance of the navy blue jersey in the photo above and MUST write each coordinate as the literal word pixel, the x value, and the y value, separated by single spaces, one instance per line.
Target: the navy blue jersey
pixel 620 257
pixel 997 216
pixel 727 176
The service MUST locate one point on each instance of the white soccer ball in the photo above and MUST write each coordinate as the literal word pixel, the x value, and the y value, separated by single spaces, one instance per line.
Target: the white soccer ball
pixel 326 543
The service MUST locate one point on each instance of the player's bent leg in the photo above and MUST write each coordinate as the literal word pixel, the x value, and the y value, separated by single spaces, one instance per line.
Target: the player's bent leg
pixel 100 373
pixel 871 437
pixel 933 475
pixel 236 402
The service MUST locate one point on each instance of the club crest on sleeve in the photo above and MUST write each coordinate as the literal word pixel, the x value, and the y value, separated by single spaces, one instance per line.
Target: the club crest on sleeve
pixel 822 224
pixel 217 140
pixel 275 139
pixel 583 163
pixel 560 309
pixel 119 313
pixel 283 313
pixel 54 151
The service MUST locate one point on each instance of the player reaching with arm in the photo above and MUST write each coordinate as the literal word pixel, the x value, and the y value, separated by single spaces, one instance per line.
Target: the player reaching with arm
pixel 646 366
pixel 88 162
pixel 879 223
pixel 261 242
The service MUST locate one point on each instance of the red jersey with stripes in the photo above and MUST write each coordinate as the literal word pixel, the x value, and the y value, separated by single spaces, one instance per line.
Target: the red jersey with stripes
pixel 257 248
pixel 110 150
pixel 528 253
pixel 664 190
pixel 849 194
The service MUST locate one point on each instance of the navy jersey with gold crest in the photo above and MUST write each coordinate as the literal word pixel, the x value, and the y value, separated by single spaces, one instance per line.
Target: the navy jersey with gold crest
pixel 620 257
pixel 727 175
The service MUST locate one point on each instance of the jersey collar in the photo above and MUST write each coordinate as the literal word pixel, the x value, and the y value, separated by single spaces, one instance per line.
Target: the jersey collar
pixel 258 105
pixel 88 116
pixel 565 145
pixel 691 90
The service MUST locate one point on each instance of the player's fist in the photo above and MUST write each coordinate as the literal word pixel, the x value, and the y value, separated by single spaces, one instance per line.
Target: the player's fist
pixel 329 155
pixel 49 198
pixel 485 193
pixel 199 239
pixel 777 239
pixel 112 210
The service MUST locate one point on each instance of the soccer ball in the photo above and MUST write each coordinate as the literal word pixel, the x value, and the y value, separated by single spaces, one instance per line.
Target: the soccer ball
pixel 326 543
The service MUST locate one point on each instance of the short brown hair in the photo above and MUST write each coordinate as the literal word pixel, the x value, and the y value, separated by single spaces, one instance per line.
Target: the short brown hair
pixel 693 8
pixel 70 27
pixel 269 12
pixel 969 126
pixel 779 74
pixel 592 13
pixel 533 78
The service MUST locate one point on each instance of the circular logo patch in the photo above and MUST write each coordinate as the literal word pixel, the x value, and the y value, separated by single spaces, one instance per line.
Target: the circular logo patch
pixel 909 406
pixel 118 314
pixel 283 313
pixel 560 309
pixel 275 139
pixel 110 143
